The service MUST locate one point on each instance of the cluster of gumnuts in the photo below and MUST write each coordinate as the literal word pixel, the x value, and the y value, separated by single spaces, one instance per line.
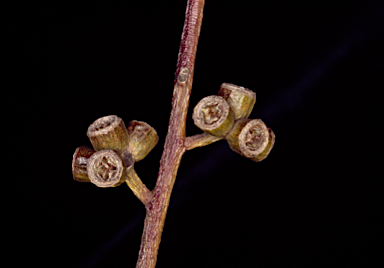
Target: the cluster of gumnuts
pixel 116 147
pixel 226 115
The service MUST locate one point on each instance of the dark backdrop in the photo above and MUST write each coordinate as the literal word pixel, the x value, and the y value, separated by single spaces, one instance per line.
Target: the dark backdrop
pixel 317 69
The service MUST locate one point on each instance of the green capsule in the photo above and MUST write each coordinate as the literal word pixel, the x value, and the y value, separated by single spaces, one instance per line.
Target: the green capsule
pixel 240 99
pixel 108 133
pixel 213 116
pixel 142 138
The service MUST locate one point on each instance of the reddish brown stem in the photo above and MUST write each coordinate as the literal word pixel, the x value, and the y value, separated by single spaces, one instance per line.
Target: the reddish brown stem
pixel 174 147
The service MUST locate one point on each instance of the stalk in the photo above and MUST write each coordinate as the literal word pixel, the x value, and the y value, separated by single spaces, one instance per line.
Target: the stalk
pixel 174 147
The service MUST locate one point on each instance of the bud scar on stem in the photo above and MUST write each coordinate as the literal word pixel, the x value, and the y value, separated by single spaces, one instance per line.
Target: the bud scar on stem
pixel 183 75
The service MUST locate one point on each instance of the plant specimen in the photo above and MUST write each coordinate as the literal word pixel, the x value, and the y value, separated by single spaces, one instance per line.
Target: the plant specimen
pixel 116 147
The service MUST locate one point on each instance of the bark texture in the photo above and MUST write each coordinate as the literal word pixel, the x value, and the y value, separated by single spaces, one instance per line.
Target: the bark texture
pixel 174 147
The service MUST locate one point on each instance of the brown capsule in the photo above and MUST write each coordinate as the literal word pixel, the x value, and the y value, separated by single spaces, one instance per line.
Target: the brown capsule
pixel 142 138
pixel 240 99
pixel 213 115
pixel 267 150
pixel 105 168
pixel 251 138
pixel 108 133
pixel 79 163
pixel 233 136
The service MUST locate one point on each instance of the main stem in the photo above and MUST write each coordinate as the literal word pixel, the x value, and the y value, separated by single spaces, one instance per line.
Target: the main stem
pixel 174 147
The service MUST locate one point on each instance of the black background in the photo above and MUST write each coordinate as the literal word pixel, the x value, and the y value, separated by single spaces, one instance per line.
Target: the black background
pixel 317 69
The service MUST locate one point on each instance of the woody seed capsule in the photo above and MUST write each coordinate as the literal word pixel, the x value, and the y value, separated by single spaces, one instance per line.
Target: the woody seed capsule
pixel 240 99
pixel 213 115
pixel 79 163
pixel 108 132
pixel 142 138
pixel 105 168
pixel 251 138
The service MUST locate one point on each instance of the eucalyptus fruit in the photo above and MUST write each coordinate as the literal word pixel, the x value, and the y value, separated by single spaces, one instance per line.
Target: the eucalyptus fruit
pixel 213 116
